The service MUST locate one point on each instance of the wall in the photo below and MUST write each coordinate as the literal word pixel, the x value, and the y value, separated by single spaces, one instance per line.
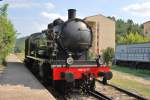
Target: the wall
pixel 147 29
pixel 104 32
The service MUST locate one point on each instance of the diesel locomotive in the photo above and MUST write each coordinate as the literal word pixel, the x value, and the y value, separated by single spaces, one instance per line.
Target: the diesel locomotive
pixel 59 54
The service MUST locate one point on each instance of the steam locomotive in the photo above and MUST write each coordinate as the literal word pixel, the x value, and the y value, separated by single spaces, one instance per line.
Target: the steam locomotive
pixel 59 54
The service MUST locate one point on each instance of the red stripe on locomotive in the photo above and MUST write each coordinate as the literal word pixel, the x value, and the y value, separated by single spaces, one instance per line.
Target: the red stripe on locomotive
pixel 78 71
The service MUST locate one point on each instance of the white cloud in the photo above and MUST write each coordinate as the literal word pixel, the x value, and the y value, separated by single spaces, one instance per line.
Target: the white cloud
pixel 39 27
pixel 140 9
pixel 17 0
pixel 52 16
pixel 48 5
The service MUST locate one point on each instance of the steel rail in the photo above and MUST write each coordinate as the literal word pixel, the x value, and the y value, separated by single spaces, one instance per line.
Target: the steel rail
pixel 99 95
pixel 125 91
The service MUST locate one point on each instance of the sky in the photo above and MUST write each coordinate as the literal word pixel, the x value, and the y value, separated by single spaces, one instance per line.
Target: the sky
pixel 30 16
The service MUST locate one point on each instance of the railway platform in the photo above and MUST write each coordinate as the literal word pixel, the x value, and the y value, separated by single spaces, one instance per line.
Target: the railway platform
pixel 18 83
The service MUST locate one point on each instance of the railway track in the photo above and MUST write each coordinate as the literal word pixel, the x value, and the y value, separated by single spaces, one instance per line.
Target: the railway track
pixel 116 93
pixel 77 95
pixel 90 95
pixel 99 95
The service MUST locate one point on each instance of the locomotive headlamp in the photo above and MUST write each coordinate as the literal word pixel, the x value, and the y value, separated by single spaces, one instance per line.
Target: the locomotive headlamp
pixel 70 60
pixel 100 61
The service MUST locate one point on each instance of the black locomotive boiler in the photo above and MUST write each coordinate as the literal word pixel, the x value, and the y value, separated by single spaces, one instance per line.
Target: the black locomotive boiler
pixel 59 54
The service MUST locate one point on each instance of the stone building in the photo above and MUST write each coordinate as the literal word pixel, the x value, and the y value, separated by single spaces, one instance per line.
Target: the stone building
pixel 104 32
pixel 147 29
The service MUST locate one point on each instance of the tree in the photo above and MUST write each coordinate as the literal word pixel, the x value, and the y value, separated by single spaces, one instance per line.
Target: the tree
pixel 112 18
pixel 129 26
pixel 132 38
pixel 108 55
pixel 123 27
pixel 3 10
pixel 7 33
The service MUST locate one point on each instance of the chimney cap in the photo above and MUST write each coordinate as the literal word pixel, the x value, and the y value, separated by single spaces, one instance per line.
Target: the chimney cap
pixel 71 13
pixel 71 9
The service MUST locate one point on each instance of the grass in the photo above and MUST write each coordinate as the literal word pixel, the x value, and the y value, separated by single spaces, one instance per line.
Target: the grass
pixel 132 85
pixel 132 71
pixel 132 79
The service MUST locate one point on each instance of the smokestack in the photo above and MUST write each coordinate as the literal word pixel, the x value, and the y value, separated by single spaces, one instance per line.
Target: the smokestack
pixel 71 14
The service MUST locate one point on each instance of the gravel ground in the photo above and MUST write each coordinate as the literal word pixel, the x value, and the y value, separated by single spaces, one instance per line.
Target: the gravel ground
pixel 136 84
pixel 112 92
pixel 79 96
pixel 17 83
pixel 142 80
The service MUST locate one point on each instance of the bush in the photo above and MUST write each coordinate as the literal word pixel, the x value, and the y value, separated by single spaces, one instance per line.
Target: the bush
pixel 108 55
pixel 90 55
pixel 3 61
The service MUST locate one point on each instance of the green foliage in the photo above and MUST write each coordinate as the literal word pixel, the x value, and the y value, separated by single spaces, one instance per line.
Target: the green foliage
pixel 120 26
pixel 7 33
pixel 3 10
pixel 128 32
pixel 108 55
pixel 132 38
pixel 90 55
pixel 20 44
pixel 123 27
